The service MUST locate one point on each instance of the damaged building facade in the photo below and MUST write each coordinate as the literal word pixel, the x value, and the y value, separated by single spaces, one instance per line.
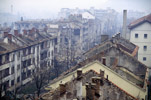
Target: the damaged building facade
pixel 21 54
pixel 89 85
pixel 118 64
pixel 75 35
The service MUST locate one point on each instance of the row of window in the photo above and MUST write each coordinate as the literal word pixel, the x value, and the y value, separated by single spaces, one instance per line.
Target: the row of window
pixel 11 56
pixel 137 35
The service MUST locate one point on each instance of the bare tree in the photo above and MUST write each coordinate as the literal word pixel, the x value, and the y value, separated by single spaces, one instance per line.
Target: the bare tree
pixel 39 78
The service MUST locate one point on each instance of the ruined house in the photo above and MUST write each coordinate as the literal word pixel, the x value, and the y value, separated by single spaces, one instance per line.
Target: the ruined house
pixel 94 81
pixel 117 58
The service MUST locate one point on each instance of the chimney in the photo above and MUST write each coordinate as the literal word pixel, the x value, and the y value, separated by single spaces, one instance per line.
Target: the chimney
pixel 92 92
pixel 79 74
pixel 104 61
pixel 124 31
pixel 96 80
pixel 101 74
pixel 79 84
pixel 89 92
pixel 102 77
pixel 104 38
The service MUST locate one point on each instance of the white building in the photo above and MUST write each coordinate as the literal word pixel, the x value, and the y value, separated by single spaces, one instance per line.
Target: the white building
pixel 140 34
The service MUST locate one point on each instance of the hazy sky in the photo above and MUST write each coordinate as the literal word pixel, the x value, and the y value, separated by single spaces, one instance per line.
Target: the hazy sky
pixel 43 7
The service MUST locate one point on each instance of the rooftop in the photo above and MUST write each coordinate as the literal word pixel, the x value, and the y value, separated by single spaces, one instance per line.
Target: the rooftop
pixel 140 21
pixel 127 87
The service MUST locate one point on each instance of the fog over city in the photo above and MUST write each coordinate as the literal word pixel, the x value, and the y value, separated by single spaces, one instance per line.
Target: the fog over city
pixel 75 49
pixel 50 8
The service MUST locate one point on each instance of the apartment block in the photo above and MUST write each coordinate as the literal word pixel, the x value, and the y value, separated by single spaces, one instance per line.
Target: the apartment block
pixel 21 54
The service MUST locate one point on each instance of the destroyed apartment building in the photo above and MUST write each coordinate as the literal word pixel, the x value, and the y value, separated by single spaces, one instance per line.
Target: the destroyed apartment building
pixel 74 36
pixel 110 71
pixel 21 54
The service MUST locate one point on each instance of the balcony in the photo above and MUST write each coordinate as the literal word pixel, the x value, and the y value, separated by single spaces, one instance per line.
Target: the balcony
pixel 27 57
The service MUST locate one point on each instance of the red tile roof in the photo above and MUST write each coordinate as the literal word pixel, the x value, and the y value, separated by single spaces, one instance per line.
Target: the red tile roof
pixel 140 21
